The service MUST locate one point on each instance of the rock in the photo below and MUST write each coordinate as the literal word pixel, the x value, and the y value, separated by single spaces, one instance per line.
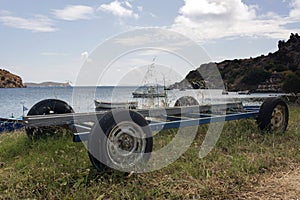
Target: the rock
pixel 260 74
pixel 9 80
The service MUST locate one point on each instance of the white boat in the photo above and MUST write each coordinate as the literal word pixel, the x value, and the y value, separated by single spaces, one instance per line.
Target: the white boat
pixel 148 92
pixel 244 92
pixel 224 92
pixel 102 105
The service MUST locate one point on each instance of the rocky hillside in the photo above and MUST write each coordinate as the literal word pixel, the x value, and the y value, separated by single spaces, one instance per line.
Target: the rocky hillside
pixel 9 80
pixel 276 72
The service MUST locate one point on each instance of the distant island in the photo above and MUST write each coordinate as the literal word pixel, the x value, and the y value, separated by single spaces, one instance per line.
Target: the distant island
pixel 48 84
pixel 9 80
pixel 276 72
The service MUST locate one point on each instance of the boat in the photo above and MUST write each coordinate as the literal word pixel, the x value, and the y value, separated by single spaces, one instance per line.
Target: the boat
pixel 10 124
pixel 224 92
pixel 104 105
pixel 148 92
pixel 244 92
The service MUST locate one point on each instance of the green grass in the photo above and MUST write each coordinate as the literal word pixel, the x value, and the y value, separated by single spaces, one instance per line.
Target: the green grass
pixel 57 168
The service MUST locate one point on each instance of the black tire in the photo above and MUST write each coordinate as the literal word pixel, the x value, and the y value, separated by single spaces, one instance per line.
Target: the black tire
pixel 273 116
pixel 47 107
pixel 186 101
pixel 112 144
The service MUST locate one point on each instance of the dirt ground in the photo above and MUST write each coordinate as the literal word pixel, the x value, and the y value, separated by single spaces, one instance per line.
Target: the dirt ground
pixel 282 185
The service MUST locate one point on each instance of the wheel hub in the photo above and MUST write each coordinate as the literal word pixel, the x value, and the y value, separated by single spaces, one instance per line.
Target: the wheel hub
pixel 126 144
pixel 278 118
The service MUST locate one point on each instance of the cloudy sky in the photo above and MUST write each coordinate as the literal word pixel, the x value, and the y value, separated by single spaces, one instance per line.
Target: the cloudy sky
pixel 50 40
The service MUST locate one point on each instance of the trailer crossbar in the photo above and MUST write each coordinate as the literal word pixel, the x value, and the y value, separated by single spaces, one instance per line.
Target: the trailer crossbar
pixel 201 121
pixel 158 118
pixel 79 118
pixel 180 122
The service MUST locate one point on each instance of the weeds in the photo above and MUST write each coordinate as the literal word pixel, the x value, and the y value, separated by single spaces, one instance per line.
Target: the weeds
pixel 57 168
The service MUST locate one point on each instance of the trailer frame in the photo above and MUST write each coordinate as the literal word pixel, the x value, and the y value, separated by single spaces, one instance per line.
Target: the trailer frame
pixel 173 117
pixel 271 116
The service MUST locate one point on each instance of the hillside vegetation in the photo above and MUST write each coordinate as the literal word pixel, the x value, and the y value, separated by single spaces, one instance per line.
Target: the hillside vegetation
pixel 57 168
pixel 275 72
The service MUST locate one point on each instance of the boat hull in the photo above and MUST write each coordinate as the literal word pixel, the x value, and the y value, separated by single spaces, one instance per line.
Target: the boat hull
pixel 103 105
pixel 148 95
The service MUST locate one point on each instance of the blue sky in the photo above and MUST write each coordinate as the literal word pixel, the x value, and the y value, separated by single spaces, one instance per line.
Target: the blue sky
pixel 50 40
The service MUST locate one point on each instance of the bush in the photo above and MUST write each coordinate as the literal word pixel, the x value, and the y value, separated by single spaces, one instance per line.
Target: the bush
pixel 256 76
pixel 293 67
pixel 291 84
pixel 280 68
pixel 269 66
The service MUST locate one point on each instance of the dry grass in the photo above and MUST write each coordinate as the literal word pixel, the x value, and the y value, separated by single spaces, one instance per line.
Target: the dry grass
pixel 240 164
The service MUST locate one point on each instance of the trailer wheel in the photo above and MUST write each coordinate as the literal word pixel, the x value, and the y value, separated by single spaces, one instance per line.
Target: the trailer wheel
pixel 122 140
pixel 47 107
pixel 273 116
pixel 186 101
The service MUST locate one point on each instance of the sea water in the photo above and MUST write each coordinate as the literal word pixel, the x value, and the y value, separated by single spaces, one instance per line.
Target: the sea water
pixel 17 101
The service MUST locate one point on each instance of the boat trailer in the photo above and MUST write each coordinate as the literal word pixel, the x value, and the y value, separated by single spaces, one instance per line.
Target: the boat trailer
pixel 128 133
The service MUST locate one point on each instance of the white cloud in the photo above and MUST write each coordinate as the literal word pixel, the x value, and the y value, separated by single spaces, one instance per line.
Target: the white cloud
pixel 152 15
pixel 211 9
pixel 74 12
pixel 39 23
pixel 84 55
pixel 140 8
pixel 54 54
pixel 295 11
pixel 214 19
pixel 120 9
pixel 128 4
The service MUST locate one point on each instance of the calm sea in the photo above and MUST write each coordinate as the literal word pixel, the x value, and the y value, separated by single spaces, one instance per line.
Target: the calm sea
pixel 81 99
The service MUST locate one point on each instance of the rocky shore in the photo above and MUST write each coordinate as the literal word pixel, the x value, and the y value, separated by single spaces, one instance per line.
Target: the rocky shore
pixel 9 80
pixel 275 72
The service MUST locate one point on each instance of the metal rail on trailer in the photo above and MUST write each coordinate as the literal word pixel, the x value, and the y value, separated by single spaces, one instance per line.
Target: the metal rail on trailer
pixel 129 132
pixel 164 118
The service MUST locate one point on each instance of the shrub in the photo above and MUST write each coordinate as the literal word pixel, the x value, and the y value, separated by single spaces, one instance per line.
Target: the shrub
pixel 256 76
pixel 280 68
pixel 291 84
pixel 293 67
pixel 269 66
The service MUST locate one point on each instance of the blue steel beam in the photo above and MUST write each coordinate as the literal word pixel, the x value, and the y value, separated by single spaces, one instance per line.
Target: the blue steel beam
pixel 201 121
pixel 157 126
